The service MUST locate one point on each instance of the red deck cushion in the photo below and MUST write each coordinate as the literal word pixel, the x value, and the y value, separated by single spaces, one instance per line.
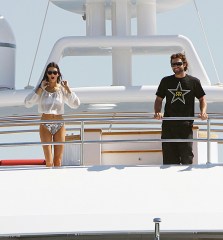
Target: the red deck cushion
pixel 15 162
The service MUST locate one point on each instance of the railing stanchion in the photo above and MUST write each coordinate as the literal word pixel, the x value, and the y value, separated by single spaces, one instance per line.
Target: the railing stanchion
pixel 157 228
pixel 82 144
pixel 208 141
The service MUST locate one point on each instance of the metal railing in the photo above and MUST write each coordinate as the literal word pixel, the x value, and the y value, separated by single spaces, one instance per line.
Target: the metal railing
pixel 124 122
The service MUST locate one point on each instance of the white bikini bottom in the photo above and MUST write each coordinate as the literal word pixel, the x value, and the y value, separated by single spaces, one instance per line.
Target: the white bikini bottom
pixel 53 127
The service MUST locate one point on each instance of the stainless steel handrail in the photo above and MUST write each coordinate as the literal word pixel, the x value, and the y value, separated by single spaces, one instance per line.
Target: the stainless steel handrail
pixel 127 119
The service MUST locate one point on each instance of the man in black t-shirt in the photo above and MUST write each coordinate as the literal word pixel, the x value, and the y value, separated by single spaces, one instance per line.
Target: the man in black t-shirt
pixel 180 91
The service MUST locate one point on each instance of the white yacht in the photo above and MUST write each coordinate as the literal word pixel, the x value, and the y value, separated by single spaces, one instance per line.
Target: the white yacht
pixel 112 184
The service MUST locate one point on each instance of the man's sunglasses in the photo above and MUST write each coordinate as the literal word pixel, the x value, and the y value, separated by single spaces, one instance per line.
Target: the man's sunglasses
pixel 52 72
pixel 176 64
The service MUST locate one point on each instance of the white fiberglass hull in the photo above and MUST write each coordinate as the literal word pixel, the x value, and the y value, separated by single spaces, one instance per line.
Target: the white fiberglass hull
pixel 111 199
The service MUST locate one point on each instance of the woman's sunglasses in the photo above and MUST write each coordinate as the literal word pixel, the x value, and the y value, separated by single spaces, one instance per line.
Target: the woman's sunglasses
pixel 52 72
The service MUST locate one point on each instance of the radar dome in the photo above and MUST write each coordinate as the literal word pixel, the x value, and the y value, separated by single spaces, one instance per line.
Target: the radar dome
pixel 7 55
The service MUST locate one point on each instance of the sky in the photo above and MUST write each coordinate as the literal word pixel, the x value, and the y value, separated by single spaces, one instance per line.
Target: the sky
pixel 26 18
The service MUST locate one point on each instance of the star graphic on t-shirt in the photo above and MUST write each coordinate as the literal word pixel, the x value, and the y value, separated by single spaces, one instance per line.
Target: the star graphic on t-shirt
pixel 178 93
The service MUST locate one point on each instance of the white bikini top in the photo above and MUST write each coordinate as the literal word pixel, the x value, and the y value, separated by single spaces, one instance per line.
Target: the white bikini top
pixel 52 103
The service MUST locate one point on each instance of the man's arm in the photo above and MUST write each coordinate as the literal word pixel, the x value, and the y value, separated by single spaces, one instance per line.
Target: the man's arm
pixel 203 108
pixel 158 108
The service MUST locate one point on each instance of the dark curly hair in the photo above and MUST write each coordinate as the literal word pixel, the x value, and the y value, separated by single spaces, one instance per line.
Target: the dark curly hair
pixel 182 57
pixel 54 65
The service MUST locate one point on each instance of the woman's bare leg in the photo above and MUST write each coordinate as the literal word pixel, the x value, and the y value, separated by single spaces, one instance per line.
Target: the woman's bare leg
pixel 58 149
pixel 46 136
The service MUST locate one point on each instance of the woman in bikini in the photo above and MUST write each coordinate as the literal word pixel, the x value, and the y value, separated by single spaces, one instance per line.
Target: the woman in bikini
pixel 50 95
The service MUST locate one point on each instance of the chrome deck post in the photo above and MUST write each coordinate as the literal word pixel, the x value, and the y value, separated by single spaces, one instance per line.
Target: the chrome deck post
pixel 82 144
pixel 208 141
pixel 157 228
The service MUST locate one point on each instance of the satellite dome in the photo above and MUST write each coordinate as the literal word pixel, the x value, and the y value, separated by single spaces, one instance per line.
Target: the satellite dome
pixel 7 55
pixel 6 35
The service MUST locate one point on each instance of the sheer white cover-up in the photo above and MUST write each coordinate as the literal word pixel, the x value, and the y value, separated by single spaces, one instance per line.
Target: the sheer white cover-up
pixel 52 103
